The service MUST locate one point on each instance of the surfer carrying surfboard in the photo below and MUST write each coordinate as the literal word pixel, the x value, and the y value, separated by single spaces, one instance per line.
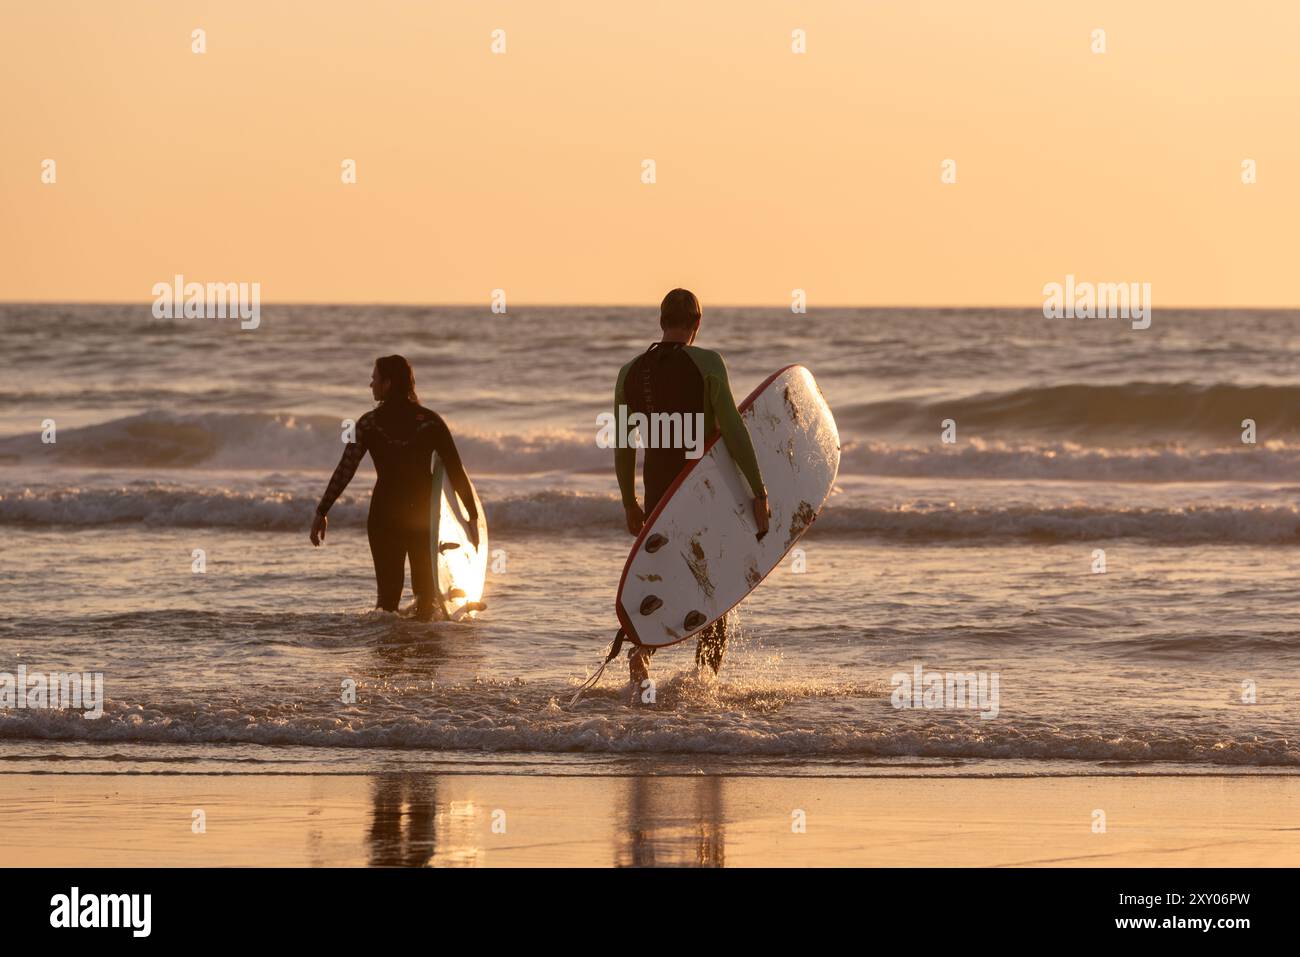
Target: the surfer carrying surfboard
pixel 401 437
pixel 673 377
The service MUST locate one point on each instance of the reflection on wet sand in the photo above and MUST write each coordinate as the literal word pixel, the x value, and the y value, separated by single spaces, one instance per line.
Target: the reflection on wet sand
pixel 409 828
pixel 402 829
pixel 422 820
pixel 410 817
pixel 673 822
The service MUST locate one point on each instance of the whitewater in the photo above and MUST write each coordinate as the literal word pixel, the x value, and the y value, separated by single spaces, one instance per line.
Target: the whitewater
pixel 1098 534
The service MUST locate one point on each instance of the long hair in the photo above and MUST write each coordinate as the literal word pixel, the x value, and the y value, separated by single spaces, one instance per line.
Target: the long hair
pixel 398 372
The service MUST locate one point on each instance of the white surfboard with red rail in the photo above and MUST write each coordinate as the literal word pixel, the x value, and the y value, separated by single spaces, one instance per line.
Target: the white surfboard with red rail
pixel 699 555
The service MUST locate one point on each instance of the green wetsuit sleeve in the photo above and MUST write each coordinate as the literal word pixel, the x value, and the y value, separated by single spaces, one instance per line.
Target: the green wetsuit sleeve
pixel 624 450
pixel 717 390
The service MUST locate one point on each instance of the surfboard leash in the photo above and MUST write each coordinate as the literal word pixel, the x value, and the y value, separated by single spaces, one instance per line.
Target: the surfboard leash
pixel 615 647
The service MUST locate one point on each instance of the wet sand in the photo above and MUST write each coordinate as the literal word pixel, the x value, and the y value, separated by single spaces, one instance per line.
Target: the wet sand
pixel 407 819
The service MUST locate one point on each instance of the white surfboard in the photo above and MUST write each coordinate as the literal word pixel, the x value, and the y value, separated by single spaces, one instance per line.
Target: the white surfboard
pixel 459 569
pixel 698 555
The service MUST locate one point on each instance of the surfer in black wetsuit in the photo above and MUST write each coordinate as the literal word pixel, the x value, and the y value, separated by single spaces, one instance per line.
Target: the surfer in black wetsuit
pixel 401 436
pixel 674 376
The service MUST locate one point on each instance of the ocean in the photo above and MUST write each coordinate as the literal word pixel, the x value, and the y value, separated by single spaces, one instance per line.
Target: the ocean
pixel 1079 445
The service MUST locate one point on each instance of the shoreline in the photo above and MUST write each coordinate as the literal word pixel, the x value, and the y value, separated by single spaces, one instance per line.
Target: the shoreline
pixel 1245 773
pixel 475 819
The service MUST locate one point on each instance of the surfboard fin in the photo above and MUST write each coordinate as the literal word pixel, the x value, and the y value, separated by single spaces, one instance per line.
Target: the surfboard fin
pixel 655 542
pixel 447 546
pixel 651 603
pixel 694 620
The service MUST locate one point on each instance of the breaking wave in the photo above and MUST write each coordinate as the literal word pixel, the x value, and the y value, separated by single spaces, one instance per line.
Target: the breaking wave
pixel 158 504
pixel 258 441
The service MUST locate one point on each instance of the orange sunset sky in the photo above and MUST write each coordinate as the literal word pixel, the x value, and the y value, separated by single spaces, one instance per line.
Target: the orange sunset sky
pixel 775 171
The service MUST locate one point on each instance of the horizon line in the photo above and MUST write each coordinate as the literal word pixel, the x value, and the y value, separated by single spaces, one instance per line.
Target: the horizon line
pixel 619 305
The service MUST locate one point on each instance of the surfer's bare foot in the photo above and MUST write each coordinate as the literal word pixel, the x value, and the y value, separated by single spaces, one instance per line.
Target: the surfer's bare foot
pixel 705 672
pixel 711 647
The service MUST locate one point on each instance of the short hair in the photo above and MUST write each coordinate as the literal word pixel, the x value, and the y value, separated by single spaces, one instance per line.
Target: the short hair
pixel 679 310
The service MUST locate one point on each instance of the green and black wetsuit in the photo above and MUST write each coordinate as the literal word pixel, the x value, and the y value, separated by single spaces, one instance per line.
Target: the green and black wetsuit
pixel 401 438
pixel 672 377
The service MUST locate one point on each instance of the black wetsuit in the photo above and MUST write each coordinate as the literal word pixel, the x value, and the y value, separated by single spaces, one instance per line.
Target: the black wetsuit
pixel 401 437
pixel 663 379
